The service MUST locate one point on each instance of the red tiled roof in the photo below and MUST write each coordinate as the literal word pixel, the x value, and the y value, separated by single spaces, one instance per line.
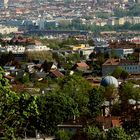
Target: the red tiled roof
pixel 82 64
pixel 116 62
pixel 57 73
pixel 109 121
pixel 8 77
pixel 111 61
pixel 116 123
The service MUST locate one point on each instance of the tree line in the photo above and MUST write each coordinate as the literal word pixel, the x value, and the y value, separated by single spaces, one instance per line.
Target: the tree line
pixel 24 113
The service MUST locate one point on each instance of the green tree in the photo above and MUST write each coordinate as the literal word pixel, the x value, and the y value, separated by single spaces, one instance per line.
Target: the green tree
pixel 25 78
pixel 94 133
pixel 134 10
pixel 117 72
pixel 6 57
pixel 124 75
pixel 63 135
pixel 117 133
pixel 110 93
pixel 95 102
pixel 91 42
pixel 78 89
pixel 128 91
pixel 15 110
pixel 120 12
pixel 100 58
pixel 55 107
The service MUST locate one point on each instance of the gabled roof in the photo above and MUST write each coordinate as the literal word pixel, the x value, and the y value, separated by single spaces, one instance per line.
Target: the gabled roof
pixel 57 73
pixel 111 61
pixel 116 123
pixel 119 62
pixel 8 77
pixel 108 122
pixel 82 65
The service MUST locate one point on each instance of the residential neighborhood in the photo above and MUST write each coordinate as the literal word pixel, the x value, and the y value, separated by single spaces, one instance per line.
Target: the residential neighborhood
pixel 70 70
pixel 39 70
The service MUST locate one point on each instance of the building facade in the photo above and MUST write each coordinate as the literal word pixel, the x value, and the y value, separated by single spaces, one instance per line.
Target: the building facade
pixel 131 66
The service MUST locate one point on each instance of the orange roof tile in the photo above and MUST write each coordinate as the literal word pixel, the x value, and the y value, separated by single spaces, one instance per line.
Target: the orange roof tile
pixel 82 64
pixel 116 123
pixel 57 73
pixel 112 61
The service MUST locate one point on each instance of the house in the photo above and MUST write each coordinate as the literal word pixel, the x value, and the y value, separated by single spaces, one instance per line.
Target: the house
pixel 109 66
pixel 12 71
pixel 10 78
pixel 73 125
pixel 131 66
pixel 29 67
pixel 81 66
pixel 56 74
pixel 86 51
pixel 47 66
pixel 38 76
pixel 73 128
pixel 109 121
pixel 77 47
pixel 95 82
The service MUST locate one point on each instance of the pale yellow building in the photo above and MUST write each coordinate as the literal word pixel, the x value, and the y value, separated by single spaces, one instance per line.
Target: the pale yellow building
pixel 121 21
pixel 77 47
pixel 116 21
pixel 7 29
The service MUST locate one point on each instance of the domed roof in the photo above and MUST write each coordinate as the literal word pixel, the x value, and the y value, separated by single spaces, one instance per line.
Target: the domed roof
pixel 109 80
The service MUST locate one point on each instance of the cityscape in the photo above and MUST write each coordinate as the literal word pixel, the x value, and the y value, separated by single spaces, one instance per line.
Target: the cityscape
pixel 70 69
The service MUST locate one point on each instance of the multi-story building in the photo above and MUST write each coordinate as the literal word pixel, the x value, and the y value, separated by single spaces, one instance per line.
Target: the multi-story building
pixel 37 48
pixel 116 21
pixel 13 49
pixel 7 29
pixel 131 66
pixel 132 20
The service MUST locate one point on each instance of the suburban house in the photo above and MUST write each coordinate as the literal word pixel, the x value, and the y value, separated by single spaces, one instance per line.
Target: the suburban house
pixel 38 76
pixel 86 51
pixel 109 121
pixel 77 47
pixel 13 73
pixel 29 67
pixel 47 66
pixel 81 66
pixel 131 66
pixel 55 74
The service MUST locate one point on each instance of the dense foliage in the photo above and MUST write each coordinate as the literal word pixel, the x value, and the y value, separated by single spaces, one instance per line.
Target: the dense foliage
pixel 23 114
